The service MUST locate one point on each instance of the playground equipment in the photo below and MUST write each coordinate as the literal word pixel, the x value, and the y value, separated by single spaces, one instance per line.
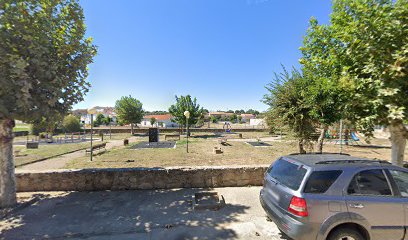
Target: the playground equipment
pixel 73 137
pixel 333 136
pixel 227 127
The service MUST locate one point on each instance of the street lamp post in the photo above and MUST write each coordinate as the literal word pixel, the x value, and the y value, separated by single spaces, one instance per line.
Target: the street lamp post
pixel 91 111
pixel 110 126
pixel 187 114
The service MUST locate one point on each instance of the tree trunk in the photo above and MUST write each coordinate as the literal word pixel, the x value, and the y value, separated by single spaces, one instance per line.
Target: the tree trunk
pixel 398 138
pixel 7 178
pixel 131 129
pixel 346 136
pixel 321 139
pixel 301 147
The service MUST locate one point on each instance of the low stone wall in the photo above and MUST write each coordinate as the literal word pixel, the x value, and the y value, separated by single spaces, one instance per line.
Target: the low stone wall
pixel 171 130
pixel 139 178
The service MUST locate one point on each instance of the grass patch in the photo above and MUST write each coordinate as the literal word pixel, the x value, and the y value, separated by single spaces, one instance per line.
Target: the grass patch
pixel 200 154
pixel 22 127
pixel 44 151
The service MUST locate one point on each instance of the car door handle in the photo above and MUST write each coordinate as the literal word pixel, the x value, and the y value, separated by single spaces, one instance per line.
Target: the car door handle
pixel 356 205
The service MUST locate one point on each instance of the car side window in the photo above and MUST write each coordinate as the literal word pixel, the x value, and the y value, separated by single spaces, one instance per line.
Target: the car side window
pixel 369 182
pixel 401 179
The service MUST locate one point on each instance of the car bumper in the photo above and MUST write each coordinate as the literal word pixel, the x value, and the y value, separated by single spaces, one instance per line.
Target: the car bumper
pixel 291 227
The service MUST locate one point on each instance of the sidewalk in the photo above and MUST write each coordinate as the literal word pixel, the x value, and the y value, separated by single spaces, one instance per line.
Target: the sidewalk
pixel 152 214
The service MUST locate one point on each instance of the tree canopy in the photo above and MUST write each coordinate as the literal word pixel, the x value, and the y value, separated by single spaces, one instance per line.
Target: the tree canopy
pixel 365 51
pixel 289 106
pixel 44 56
pixel 71 124
pixel 129 110
pixel 186 103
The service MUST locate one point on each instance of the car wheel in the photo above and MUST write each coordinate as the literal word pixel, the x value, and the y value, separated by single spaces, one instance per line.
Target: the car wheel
pixel 345 234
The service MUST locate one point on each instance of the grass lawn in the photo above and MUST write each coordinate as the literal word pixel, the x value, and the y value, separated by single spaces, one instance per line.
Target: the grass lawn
pixel 21 127
pixel 29 155
pixel 201 153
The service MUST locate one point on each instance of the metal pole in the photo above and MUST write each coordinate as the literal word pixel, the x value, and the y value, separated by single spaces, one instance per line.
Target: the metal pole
pixel 91 135
pixel 341 136
pixel 110 129
pixel 187 135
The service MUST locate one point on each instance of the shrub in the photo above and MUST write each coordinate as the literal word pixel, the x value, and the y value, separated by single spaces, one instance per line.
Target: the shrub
pixel 71 124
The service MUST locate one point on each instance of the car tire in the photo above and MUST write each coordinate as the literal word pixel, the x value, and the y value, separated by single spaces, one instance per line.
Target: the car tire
pixel 345 234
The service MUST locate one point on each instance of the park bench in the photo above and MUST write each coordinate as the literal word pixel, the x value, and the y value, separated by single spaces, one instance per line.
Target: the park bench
pixel 97 147
pixel 172 136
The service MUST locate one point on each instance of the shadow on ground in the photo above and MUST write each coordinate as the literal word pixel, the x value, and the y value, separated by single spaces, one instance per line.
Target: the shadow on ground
pixel 371 146
pixel 153 214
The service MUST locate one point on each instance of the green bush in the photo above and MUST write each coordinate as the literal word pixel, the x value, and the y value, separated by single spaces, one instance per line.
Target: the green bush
pixel 37 128
pixel 100 120
pixel 71 124
pixel 42 135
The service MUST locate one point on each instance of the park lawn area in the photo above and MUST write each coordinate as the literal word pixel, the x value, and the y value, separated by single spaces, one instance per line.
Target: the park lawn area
pixel 200 154
pixel 25 155
pixel 21 127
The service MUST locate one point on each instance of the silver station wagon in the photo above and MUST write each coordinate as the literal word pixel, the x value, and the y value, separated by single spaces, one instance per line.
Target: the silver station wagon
pixel 336 197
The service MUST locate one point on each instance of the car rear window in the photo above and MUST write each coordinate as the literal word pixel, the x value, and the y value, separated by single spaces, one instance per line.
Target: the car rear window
pixel 288 174
pixel 320 181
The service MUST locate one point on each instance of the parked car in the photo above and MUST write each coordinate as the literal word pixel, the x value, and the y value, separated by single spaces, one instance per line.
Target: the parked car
pixel 336 197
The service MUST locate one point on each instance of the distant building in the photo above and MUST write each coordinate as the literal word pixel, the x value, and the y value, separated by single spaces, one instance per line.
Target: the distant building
pixel 246 117
pixel 161 121
pixel 257 122
pixel 105 111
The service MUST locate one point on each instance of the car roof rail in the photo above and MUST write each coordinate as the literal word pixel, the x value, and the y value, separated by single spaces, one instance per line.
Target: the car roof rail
pixel 353 161
pixel 318 153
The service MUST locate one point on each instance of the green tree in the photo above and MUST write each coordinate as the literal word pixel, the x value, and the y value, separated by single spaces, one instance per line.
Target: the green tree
pixel 46 124
pixel 129 110
pixel 185 103
pixel 233 118
pixel 288 105
pixel 371 44
pixel 100 120
pixel 327 96
pixel 43 69
pixel 239 117
pixel 152 121
pixel 71 124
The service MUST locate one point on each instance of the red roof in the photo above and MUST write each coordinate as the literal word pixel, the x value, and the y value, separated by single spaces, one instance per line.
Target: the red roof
pixel 159 117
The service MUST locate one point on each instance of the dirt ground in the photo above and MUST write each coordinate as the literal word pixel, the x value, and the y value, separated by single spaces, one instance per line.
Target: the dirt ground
pixel 235 152
pixel 149 214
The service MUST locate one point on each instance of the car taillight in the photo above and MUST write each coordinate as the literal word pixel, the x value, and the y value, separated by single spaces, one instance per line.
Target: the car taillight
pixel 298 207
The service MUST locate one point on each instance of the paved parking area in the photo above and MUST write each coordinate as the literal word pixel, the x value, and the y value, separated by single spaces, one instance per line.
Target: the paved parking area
pixel 149 214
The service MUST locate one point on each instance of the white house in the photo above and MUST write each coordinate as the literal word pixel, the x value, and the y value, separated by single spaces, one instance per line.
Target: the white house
pixel 257 122
pixel 161 121
pixel 247 117
pixel 105 111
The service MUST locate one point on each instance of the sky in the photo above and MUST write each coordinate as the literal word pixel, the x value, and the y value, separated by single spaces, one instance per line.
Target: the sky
pixel 223 52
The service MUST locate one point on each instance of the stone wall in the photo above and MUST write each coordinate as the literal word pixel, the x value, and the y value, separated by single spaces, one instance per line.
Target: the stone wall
pixel 139 178
pixel 172 130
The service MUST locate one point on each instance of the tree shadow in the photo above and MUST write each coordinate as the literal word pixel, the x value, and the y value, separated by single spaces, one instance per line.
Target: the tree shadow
pixel 370 146
pixel 143 214
pixel 205 136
